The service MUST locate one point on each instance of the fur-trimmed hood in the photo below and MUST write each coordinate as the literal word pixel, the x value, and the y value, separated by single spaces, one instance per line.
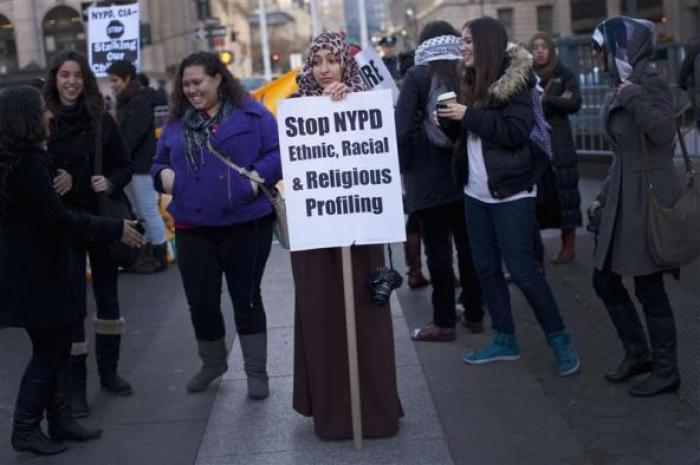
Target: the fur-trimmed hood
pixel 518 73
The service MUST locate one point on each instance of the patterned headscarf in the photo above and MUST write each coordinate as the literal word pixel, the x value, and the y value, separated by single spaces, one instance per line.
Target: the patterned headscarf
pixel 438 48
pixel 350 72
pixel 627 45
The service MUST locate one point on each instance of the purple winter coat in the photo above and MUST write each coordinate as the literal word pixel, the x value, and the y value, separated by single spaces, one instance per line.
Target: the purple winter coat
pixel 218 195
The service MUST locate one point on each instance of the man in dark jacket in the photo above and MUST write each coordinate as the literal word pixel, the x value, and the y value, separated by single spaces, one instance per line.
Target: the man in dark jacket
pixel 135 116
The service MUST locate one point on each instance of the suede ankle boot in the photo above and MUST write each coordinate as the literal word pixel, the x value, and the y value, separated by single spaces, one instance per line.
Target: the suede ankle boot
pixel 254 348
pixel 214 364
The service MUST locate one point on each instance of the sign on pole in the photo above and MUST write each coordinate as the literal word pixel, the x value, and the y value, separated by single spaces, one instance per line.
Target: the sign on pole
pixel 374 72
pixel 342 188
pixel 113 34
pixel 341 171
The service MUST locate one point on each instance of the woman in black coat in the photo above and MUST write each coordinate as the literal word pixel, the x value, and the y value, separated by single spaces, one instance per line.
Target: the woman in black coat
pixel 72 95
pixel 561 98
pixel 431 195
pixel 34 227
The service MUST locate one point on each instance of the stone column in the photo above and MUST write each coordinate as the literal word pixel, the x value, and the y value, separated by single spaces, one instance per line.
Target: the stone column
pixel 562 15
pixel 28 34
pixel 614 7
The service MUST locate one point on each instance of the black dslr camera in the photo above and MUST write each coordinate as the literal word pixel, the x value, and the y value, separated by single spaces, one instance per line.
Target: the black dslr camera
pixel 382 281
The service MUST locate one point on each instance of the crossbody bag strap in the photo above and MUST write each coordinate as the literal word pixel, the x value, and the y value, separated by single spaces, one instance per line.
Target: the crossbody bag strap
pixel 240 170
pixel 99 163
pixel 689 168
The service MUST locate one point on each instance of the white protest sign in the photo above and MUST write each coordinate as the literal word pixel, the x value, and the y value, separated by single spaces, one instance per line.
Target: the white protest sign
pixel 113 33
pixel 374 72
pixel 341 171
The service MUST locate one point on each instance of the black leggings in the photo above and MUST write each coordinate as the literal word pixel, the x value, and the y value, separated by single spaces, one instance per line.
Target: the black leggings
pixel 51 346
pixel 240 253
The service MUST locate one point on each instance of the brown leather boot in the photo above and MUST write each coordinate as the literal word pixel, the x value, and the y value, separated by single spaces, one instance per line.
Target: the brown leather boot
pixel 568 247
pixel 413 259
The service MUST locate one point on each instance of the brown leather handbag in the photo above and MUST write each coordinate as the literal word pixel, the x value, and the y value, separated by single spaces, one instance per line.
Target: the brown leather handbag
pixel 673 233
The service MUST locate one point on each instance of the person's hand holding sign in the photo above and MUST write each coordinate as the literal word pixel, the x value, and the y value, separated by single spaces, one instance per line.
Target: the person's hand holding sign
pixel 336 90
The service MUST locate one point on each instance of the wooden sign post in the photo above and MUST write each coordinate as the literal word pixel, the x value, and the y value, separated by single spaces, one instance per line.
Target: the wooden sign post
pixel 351 330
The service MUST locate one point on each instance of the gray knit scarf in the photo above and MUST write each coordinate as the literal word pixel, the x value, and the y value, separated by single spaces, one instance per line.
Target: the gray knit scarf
pixel 197 127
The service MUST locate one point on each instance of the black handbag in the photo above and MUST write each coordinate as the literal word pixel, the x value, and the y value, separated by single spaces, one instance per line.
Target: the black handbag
pixel 672 232
pixel 114 205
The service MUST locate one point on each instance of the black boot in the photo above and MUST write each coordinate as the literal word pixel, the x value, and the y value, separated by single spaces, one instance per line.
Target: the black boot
pixel 630 331
pixel 145 263
pixel 78 392
pixel 636 362
pixel 34 393
pixel 160 256
pixel 665 376
pixel 62 426
pixel 107 343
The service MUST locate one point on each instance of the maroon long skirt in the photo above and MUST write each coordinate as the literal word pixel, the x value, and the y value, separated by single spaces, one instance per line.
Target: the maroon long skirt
pixel 321 375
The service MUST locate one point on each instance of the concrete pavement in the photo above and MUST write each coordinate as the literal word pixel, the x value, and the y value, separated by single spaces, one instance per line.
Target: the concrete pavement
pixel 516 413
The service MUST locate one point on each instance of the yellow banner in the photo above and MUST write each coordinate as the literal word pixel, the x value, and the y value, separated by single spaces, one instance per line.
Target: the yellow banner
pixel 279 89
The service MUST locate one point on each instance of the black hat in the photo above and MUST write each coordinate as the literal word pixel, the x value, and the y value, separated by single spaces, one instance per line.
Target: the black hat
pixel 388 41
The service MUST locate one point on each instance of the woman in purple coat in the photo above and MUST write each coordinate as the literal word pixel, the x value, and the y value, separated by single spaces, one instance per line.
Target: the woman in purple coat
pixel 223 223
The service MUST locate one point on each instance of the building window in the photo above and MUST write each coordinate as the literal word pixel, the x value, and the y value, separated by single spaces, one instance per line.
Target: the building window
pixel 587 14
pixel 63 30
pixel 506 17
pixel 545 19
pixel 8 48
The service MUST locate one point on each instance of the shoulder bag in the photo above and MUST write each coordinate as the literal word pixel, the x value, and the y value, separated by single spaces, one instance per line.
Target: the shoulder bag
pixel 672 232
pixel 273 195
pixel 114 205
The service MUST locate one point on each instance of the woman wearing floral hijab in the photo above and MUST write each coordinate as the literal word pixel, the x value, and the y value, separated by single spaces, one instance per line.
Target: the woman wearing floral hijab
pixel 638 111
pixel 321 377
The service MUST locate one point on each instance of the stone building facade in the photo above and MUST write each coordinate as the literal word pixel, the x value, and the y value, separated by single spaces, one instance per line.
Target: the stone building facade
pixel 32 32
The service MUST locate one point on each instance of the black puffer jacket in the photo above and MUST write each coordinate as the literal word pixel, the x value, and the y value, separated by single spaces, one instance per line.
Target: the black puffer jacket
pixel 557 108
pixel 426 168
pixel 504 125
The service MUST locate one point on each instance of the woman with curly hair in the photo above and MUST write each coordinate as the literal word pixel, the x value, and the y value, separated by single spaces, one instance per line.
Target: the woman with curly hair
pixel 80 121
pixel 321 376
pixel 223 222
pixel 35 228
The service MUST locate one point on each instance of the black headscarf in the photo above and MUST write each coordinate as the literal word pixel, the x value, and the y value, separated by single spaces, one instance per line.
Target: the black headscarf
pixel 627 45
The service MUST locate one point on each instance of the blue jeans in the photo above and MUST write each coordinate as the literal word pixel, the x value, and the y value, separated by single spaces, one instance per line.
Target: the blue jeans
pixel 144 201
pixel 504 231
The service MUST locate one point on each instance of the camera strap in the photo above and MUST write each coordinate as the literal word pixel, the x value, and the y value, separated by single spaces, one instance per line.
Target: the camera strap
pixel 391 261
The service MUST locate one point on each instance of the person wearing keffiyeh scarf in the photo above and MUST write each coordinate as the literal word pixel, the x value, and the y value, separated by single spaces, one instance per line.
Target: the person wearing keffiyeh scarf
pixel 320 362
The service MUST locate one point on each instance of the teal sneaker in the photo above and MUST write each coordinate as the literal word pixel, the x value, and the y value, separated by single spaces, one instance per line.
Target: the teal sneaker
pixel 503 346
pixel 568 361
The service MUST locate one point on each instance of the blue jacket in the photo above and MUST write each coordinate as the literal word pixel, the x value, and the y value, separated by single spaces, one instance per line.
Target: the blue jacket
pixel 217 195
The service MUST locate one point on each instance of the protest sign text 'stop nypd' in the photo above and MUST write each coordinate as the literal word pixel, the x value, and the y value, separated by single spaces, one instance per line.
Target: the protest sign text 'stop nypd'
pixel 341 172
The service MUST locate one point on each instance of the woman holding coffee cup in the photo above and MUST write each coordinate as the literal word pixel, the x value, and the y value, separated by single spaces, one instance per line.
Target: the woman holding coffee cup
pixel 425 154
pixel 494 165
